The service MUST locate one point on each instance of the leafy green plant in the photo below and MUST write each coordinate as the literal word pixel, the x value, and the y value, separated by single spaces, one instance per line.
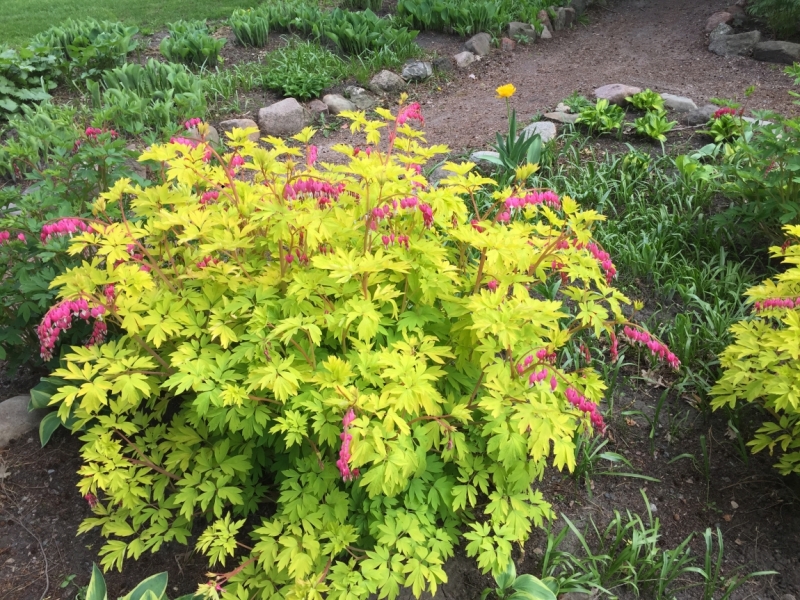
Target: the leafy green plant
pixel 782 16
pixel 373 5
pixel 647 100
pixel 155 96
pixel 191 43
pixel 603 117
pixel 759 367
pixel 725 125
pixel 251 27
pixel 522 587
pixel 26 77
pixel 302 70
pixel 152 588
pixel 655 125
pixel 66 169
pixel 576 102
pixel 358 33
pixel 467 17
pixel 277 347
pixel 87 47
pixel 514 150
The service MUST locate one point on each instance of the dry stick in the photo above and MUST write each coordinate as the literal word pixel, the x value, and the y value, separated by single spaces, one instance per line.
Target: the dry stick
pixel 41 549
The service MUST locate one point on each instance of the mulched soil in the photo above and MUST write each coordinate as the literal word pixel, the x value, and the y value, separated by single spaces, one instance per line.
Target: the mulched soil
pixel 648 43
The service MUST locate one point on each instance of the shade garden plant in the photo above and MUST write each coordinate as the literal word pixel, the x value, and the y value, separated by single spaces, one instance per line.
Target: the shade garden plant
pixel 354 349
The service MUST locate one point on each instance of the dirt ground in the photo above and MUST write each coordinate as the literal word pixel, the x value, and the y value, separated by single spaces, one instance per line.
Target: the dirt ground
pixel 648 43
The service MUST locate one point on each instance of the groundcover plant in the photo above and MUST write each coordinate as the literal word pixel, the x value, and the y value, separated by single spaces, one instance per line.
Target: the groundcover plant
pixel 334 359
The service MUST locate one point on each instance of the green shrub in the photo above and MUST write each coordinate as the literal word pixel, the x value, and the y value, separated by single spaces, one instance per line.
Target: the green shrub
pixel 87 47
pixel 25 78
pixel 251 27
pixel 191 43
pixel 334 354
pixel 782 16
pixel 761 365
pixel 302 70
pixel 655 125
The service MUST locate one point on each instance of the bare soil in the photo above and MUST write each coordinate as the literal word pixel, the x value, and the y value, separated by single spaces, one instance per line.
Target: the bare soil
pixel 648 43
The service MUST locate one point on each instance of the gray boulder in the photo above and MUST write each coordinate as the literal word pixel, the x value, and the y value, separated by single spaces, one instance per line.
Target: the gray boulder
pixel 515 29
pixel 678 103
pixel 479 158
pixel 561 117
pixel 701 115
pixel 777 52
pixel 479 44
pixel 580 6
pixel 615 93
pixel 15 420
pixel 443 63
pixel 718 17
pixel 284 118
pixel 387 82
pixel 464 59
pixel 232 124
pixel 545 35
pixel 544 18
pixel 565 17
pixel 317 108
pixel 212 136
pixel 734 44
pixel 545 129
pixel 337 103
pixel 417 70
pixel 360 97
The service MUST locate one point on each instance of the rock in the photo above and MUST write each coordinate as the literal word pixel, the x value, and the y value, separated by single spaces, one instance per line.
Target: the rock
pixel 479 44
pixel 507 45
pixel 387 82
pixel 761 122
pixel 516 29
pixel 563 108
pixel 678 103
pixel 443 63
pixel 15 420
pixel 317 108
pixel 737 15
pixel 464 59
pixel 417 70
pixel 479 158
pixel 132 163
pixel 579 6
pixel 777 52
pixel 232 124
pixel 720 30
pixel 437 175
pixel 544 18
pixel 734 44
pixel 545 129
pixel 337 103
pixel 565 17
pixel 561 117
pixel 701 115
pixel 615 93
pixel 545 35
pixel 360 97
pixel 284 118
pixel 212 136
pixel 717 18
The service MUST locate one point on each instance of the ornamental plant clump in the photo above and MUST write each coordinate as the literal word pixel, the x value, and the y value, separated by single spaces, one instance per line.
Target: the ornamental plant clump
pixel 761 365
pixel 348 352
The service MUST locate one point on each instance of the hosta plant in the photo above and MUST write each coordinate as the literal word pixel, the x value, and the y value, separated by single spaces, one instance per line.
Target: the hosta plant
pixel 654 125
pixel 334 367
pixel 761 365
pixel 191 43
pixel 152 588
pixel 602 117
pixel 251 27
pixel 647 100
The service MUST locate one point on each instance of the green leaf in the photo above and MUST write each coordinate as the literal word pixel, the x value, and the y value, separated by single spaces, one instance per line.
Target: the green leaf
pixel 506 579
pixel 155 584
pixel 534 587
pixel 48 425
pixel 97 585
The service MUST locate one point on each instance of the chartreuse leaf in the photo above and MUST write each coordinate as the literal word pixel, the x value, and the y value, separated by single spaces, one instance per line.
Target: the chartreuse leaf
pixel 96 590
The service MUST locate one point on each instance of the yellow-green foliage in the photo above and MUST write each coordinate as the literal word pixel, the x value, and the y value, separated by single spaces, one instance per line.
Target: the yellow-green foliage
pixel 223 395
pixel 761 365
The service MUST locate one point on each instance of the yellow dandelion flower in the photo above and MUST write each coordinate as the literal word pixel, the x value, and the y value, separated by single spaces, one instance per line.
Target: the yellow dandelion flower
pixel 506 91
